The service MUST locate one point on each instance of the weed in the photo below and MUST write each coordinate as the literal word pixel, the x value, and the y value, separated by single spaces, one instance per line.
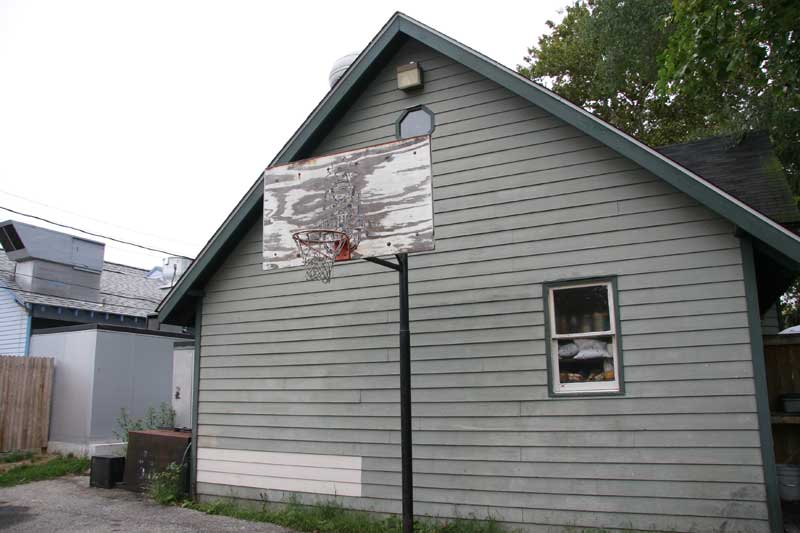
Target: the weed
pixel 16 456
pixel 60 466
pixel 154 418
pixel 167 487
pixel 331 517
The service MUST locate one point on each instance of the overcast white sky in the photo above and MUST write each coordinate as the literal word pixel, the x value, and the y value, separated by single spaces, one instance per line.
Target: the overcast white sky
pixel 148 120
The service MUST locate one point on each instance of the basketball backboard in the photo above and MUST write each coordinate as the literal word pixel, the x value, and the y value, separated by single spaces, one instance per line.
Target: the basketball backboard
pixel 381 196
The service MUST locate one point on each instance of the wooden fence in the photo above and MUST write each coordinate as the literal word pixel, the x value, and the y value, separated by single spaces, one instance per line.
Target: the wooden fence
pixel 782 357
pixel 26 389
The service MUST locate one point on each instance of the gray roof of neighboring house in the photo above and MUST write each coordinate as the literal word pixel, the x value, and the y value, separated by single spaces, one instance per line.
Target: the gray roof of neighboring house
pixel 124 290
pixel 746 169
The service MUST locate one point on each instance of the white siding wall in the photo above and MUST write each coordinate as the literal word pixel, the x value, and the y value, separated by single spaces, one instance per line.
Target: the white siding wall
pixel 520 199
pixel 73 382
pixel 13 325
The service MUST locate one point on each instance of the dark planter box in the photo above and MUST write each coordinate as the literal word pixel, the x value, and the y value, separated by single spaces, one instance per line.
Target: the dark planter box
pixel 107 470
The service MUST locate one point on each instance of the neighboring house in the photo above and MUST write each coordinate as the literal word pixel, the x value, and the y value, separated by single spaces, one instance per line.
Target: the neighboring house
pixel 298 381
pixel 52 279
pixel 59 298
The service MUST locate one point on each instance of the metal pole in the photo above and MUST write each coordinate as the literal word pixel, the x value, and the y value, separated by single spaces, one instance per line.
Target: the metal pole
pixel 405 389
pixel 405 398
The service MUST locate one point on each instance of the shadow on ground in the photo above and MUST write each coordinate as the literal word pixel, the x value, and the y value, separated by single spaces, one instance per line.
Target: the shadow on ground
pixel 12 515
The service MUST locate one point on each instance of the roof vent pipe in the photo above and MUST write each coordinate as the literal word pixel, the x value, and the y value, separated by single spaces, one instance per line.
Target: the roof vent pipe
pixel 173 269
pixel 340 66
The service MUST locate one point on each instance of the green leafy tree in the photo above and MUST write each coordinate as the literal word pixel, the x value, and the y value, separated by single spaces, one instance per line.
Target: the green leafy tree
pixel 604 56
pixel 674 71
pixel 746 53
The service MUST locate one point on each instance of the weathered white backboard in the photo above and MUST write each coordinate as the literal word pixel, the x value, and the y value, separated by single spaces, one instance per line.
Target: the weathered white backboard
pixel 394 196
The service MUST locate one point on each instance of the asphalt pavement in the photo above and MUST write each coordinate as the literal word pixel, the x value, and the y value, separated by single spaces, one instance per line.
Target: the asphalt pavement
pixel 69 504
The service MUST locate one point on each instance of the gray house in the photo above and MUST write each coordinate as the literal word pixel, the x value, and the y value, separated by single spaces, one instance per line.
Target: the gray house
pixel 538 206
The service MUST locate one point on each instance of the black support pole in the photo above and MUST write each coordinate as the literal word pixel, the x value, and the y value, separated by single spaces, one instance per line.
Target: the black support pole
pixel 405 399
pixel 405 389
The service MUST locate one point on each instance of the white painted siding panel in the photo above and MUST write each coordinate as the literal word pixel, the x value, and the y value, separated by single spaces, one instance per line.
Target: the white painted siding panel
pixel 13 325
pixel 298 472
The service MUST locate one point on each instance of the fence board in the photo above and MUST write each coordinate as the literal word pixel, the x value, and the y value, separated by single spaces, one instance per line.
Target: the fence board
pixel 782 356
pixel 26 388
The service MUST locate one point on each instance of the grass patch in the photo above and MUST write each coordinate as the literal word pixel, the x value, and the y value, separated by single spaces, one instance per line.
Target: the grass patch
pixel 16 456
pixel 333 518
pixel 60 466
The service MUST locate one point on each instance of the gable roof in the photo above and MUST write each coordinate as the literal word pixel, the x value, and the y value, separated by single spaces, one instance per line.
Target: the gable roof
pixel 745 168
pixel 179 305
pixel 124 290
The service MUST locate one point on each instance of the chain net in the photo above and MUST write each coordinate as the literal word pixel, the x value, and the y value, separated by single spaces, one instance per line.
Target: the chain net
pixel 319 249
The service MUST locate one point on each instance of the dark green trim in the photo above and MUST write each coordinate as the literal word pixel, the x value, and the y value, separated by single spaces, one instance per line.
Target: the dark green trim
pixel 231 229
pixel 760 379
pixel 198 326
pixel 29 322
pixel 352 80
pixel 396 31
pixel 620 370
pixel 779 258
pixel 677 176
pixel 405 112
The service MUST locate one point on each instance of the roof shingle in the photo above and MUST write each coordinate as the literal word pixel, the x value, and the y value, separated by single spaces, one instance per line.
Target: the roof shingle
pixel 747 169
pixel 124 290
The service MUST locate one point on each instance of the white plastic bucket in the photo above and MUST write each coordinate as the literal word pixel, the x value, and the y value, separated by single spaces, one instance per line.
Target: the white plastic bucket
pixel 789 482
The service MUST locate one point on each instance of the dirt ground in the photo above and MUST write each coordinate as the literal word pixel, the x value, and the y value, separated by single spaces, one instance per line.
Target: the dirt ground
pixel 68 504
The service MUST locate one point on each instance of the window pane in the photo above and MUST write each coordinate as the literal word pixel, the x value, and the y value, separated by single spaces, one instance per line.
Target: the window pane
pixel 581 309
pixel 416 122
pixel 586 360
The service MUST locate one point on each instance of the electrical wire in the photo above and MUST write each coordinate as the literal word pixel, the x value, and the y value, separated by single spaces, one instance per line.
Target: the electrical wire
pixel 91 233
pixel 97 219
pixel 99 290
pixel 76 300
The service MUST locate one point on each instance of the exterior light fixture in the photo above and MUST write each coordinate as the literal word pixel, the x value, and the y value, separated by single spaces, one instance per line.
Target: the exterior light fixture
pixel 409 76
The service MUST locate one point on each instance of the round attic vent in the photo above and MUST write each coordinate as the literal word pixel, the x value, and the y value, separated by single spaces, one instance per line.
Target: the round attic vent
pixel 340 66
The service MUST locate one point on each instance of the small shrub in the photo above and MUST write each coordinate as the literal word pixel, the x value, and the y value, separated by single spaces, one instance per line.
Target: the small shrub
pixel 166 487
pixel 154 418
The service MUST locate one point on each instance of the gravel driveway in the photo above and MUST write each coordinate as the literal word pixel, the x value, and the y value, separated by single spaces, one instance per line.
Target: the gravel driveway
pixel 69 504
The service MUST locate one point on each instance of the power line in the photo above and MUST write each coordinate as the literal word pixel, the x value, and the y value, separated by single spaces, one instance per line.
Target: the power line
pixel 89 232
pixel 68 284
pixel 96 219
pixel 84 301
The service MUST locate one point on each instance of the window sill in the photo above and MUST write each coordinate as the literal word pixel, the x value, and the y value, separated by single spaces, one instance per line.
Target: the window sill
pixel 584 394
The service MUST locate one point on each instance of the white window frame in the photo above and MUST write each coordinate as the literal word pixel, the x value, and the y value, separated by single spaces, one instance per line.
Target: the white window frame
pixel 559 388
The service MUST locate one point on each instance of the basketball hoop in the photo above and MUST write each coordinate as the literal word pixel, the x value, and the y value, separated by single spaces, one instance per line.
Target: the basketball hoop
pixel 319 249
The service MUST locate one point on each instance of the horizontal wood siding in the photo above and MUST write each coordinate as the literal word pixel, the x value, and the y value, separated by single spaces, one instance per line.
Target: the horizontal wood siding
pixel 13 325
pixel 520 199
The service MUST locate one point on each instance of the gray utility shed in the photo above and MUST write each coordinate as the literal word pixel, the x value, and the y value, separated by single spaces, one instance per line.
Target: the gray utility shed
pixel 100 370
pixel 298 381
